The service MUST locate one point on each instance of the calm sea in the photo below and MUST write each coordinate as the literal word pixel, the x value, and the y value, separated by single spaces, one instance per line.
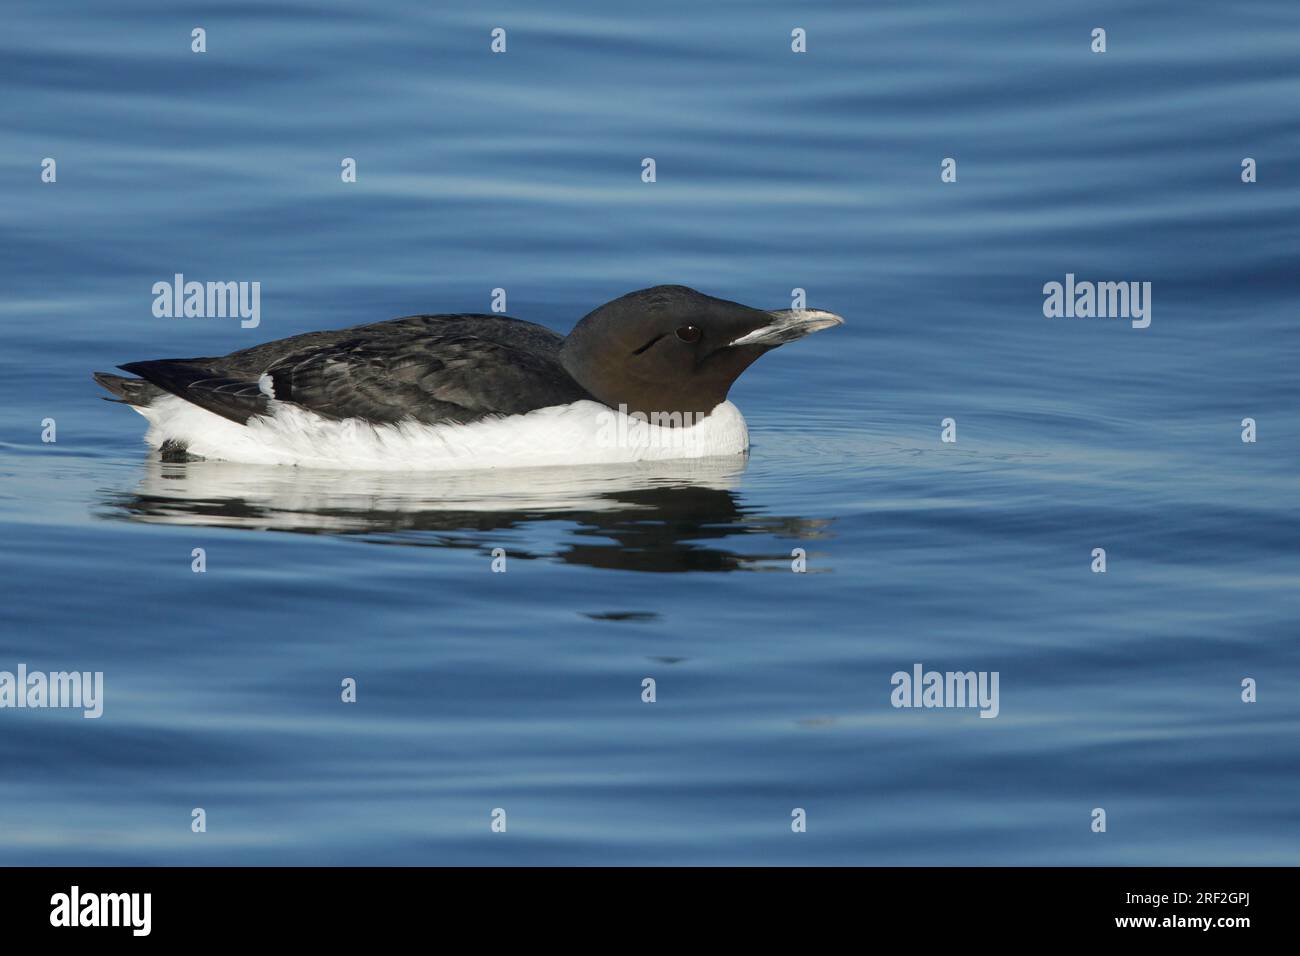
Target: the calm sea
pixel 522 691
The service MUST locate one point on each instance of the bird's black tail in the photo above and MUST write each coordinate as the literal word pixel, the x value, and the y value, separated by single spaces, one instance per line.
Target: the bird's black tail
pixel 129 391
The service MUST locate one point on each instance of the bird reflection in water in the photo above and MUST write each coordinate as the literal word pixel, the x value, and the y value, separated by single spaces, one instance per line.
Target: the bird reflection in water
pixel 657 517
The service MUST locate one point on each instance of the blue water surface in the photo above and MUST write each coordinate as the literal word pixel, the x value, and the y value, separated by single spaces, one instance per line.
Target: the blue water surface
pixel 775 171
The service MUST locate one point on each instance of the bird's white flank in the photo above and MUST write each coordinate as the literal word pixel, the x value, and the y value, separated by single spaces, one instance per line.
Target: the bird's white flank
pixel 582 433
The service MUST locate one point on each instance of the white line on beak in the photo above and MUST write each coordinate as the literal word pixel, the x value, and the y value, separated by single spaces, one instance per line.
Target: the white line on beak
pixel 788 325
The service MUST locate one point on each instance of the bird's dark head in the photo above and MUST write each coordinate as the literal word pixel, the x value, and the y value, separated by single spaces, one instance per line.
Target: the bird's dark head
pixel 672 349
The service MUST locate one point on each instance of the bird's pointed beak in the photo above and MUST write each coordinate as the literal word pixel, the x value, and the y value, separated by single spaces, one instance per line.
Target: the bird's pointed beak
pixel 786 325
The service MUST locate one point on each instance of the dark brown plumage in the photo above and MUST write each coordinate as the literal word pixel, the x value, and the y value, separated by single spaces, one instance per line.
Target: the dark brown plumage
pixel 661 350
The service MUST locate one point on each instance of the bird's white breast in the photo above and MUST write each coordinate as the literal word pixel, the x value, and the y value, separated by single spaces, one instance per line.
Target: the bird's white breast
pixel 577 434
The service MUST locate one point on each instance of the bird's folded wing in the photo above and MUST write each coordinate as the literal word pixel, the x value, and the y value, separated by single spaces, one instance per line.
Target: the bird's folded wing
pixel 454 377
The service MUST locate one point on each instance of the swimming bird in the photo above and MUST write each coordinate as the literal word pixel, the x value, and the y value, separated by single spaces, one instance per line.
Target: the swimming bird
pixel 644 377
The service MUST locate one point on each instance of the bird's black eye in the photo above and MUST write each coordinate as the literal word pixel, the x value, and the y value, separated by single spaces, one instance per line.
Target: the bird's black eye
pixel 689 333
